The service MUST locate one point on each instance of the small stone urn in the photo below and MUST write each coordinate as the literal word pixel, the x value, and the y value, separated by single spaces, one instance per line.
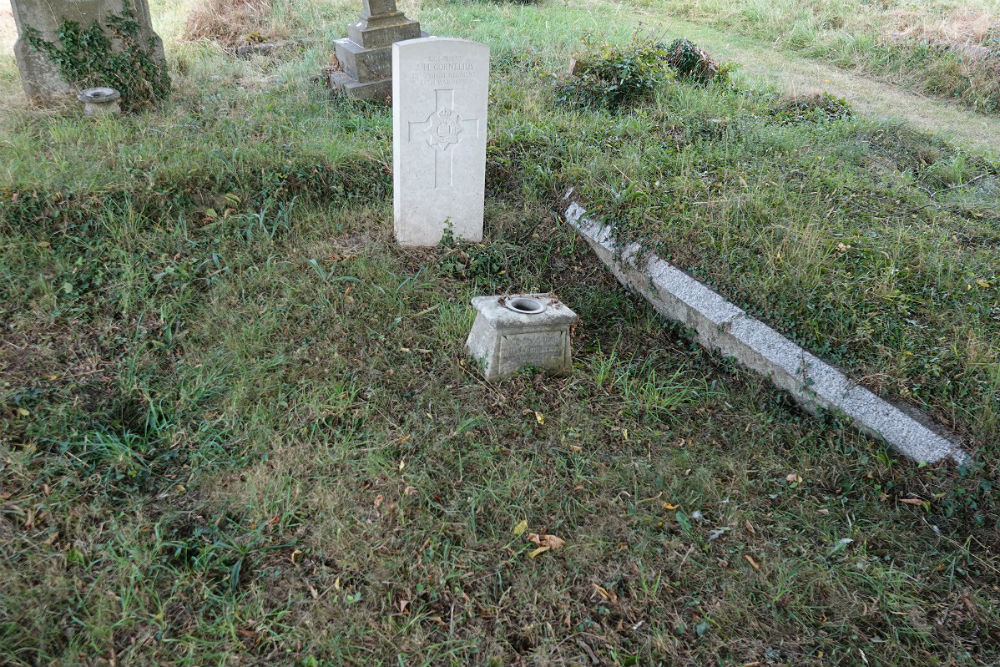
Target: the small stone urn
pixel 514 332
pixel 100 101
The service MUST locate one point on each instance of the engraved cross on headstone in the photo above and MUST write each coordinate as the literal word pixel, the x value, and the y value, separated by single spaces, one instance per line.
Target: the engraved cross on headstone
pixel 442 130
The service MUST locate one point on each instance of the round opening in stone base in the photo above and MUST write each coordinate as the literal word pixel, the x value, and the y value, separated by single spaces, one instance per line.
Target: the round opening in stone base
pixel 526 305
pixel 100 95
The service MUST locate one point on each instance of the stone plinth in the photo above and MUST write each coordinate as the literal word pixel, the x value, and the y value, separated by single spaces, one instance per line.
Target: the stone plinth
pixel 440 93
pixel 365 55
pixel 100 101
pixel 516 332
pixel 40 76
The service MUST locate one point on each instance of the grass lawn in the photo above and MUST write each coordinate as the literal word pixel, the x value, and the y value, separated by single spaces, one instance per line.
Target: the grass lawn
pixel 945 48
pixel 237 425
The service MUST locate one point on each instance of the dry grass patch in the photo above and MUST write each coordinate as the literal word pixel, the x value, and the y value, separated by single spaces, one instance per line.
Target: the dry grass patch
pixel 959 26
pixel 232 22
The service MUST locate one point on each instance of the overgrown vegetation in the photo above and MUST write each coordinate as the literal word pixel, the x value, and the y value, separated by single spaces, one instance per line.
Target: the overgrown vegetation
pixel 944 47
pixel 237 425
pixel 232 22
pixel 87 58
pixel 512 2
pixel 812 108
pixel 692 62
pixel 614 76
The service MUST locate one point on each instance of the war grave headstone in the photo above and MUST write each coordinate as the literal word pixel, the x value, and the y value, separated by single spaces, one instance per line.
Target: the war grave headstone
pixel 440 93
pixel 43 42
pixel 365 55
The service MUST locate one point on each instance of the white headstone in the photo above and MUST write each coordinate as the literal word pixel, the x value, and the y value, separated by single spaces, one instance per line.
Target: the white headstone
pixel 440 89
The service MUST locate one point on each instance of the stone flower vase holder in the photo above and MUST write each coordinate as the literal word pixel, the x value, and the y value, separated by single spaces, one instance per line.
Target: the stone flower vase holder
pixel 515 332
pixel 100 101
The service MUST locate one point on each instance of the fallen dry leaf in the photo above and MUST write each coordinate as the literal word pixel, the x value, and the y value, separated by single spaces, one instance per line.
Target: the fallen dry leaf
pixel 752 562
pixel 911 501
pixel 520 528
pixel 793 477
pixel 539 550
pixel 670 506
pixel 550 541
pixel 607 594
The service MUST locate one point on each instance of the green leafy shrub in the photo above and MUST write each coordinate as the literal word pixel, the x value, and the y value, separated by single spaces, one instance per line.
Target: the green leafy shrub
pixel 611 76
pixel 87 58
pixel 693 63
pixel 812 108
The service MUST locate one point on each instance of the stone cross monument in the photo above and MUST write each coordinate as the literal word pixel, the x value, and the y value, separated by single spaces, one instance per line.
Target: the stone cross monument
pixel 365 55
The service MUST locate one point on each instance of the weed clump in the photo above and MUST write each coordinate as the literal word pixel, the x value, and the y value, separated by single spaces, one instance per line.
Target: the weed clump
pixel 612 76
pixel 693 63
pixel 812 109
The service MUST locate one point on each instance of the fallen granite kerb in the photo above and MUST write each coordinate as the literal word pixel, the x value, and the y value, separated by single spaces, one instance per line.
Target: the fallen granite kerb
pixel 723 327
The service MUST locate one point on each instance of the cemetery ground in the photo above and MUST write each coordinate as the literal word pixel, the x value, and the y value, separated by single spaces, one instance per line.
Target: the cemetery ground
pixel 943 48
pixel 238 425
pixel 876 94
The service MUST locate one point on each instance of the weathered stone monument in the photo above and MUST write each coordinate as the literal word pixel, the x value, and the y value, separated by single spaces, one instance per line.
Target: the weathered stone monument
pixel 365 55
pixel 64 46
pixel 440 90
pixel 514 332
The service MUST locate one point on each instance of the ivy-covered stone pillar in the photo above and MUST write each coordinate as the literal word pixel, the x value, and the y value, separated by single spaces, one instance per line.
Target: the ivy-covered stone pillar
pixel 65 46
